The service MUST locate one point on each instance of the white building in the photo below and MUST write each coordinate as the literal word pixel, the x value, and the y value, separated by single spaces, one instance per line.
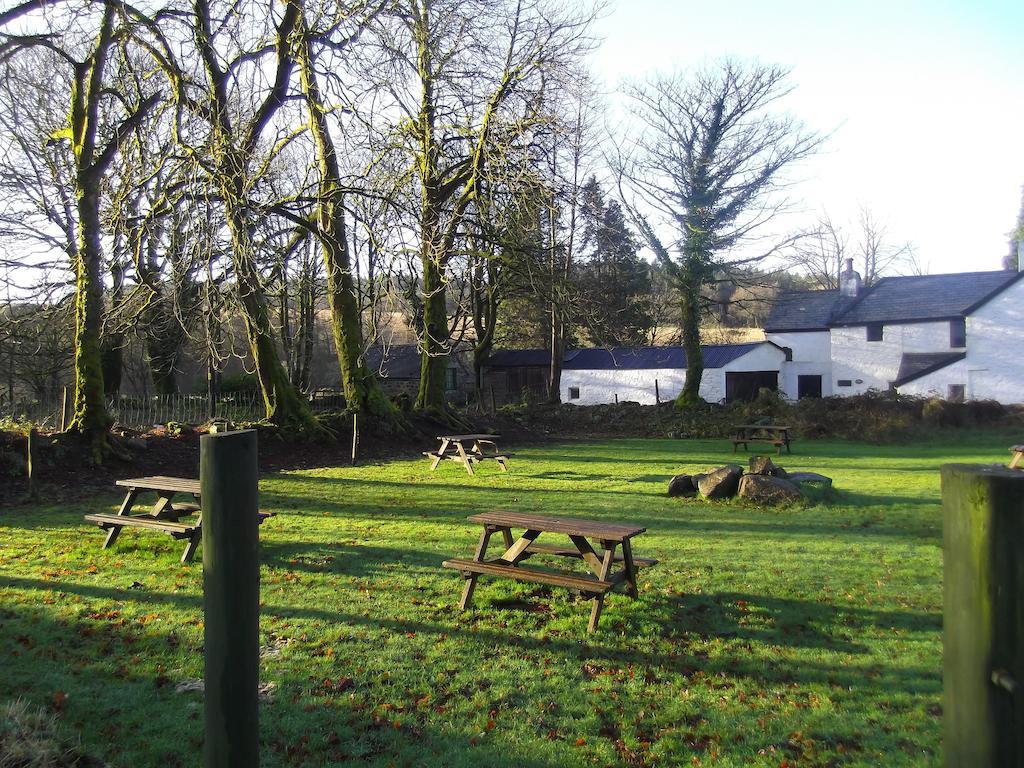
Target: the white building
pixel 957 336
pixel 643 374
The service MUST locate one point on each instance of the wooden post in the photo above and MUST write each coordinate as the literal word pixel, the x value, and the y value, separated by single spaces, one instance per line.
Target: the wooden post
pixel 494 408
pixel 355 436
pixel 616 398
pixel 231 597
pixel 64 410
pixel 33 490
pixel 983 617
pixel 657 394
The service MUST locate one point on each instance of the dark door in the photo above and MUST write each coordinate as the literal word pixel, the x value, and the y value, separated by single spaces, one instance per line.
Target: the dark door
pixel 808 386
pixel 745 385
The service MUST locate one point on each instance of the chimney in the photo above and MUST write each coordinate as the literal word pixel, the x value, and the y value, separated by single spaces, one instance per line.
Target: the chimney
pixel 849 281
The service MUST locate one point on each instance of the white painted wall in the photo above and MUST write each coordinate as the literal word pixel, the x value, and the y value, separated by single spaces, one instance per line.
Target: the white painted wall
pixel 636 384
pixel 601 386
pixel 812 356
pixel 994 366
pixel 995 348
pixel 876 363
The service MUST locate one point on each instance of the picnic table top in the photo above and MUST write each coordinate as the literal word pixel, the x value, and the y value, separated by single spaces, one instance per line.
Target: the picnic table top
pixel 595 529
pixel 162 483
pixel 780 427
pixel 460 438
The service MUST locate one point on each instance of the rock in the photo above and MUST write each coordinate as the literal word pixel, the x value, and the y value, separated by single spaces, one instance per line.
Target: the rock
pixel 809 477
pixel 721 483
pixel 682 485
pixel 765 489
pixel 136 443
pixel 761 465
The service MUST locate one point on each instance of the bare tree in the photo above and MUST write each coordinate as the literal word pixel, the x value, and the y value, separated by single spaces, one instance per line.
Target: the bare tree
pixel 706 170
pixel 99 122
pixel 460 72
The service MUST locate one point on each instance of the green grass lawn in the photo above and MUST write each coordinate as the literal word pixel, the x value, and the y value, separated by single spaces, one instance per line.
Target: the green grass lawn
pixel 810 636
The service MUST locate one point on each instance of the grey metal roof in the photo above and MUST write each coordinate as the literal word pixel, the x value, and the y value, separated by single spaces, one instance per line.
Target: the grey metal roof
pixel 914 365
pixel 623 358
pixel 890 300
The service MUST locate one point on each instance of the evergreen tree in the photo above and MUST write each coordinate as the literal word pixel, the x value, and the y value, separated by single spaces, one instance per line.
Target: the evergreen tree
pixel 616 283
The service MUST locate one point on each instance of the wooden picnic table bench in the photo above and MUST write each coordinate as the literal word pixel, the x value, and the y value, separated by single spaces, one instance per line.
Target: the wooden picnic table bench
pixel 469 450
pixel 776 434
pixel 1017 457
pixel 165 514
pixel 607 536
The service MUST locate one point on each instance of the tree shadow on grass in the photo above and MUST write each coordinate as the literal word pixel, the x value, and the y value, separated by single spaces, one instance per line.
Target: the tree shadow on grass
pixel 136 715
pixel 741 619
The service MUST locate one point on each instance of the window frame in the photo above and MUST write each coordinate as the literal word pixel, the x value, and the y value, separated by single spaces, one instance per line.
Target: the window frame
pixel 451 379
pixel 958 332
pixel 574 393
pixel 874 332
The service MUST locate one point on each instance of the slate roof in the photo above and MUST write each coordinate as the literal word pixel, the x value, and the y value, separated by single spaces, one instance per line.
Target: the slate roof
pixel 397 361
pixel 805 310
pixel 519 358
pixel 890 300
pixel 623 358
pixel 914 365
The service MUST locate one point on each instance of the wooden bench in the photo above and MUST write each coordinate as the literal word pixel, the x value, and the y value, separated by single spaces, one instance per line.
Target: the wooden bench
pixel 773 434
pixel 609 536
pixel 468 450
pixel 165 514
pixel 1018 456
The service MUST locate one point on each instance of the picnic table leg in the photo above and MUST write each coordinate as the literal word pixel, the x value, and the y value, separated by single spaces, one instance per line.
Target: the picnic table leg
pixel 126 507
pixel 465 459
pixel 163 507
pixel 627 563
pixel 192 546
pixel 481 550
pixel 440 455
pixel 606 565
pixel 506 534
pixel 502 464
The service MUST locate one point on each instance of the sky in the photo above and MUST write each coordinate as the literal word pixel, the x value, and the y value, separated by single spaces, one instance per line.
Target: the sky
pixel 923 101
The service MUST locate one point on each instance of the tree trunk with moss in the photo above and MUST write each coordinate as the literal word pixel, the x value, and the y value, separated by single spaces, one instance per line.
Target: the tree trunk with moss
pixel 234 141
pixel 90 414
pixel 689 306
pixel 363 393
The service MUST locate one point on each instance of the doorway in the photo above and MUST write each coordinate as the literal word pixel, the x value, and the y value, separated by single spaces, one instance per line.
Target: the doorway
pixel 808 386
pixel 745 385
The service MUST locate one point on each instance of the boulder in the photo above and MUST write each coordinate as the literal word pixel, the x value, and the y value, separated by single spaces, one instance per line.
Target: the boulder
pixel 761 465
pixel 720 483
pixel 682 485
pixel 809 477
pixel 765 489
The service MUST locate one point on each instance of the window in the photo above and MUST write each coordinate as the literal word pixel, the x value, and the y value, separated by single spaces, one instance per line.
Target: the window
pixel 450 380
pixel 956 393
pixel 574 393
pixel 875 332
pixel 957 333
pixel 845 383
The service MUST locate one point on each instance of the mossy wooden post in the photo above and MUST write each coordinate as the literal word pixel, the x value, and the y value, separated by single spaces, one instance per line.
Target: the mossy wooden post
pixel 983 514
pixel 657 393
pixel 231 597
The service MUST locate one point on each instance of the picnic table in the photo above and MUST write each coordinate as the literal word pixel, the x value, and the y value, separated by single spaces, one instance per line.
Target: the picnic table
pixel 1018 456
pixel 468 450
pixel 607 536
pixel 165 516
pixel 776 434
